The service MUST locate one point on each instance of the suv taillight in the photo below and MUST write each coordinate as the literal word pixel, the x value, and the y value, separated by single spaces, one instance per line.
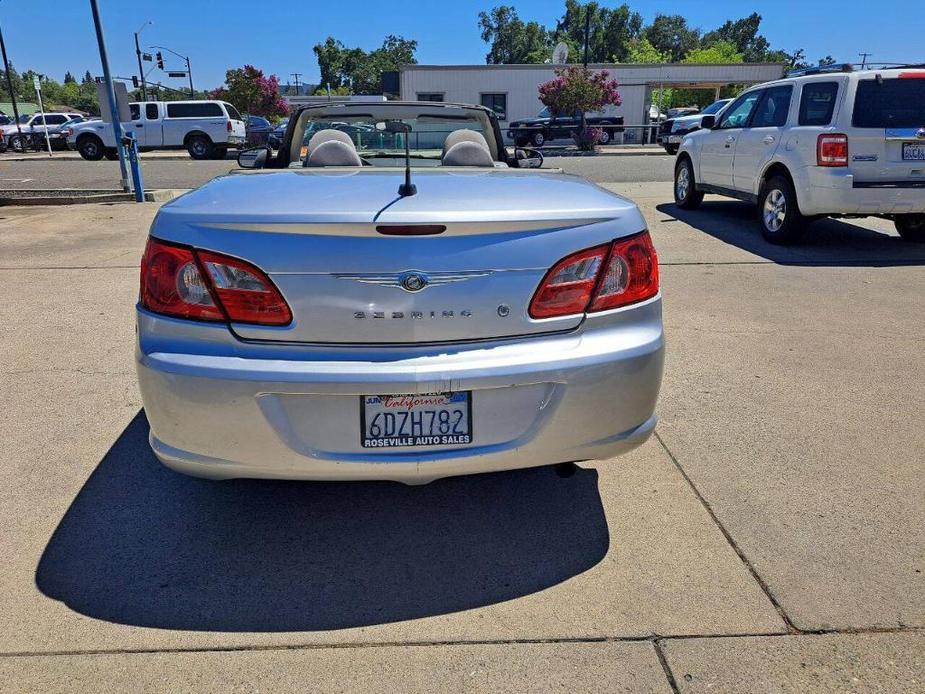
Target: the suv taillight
pixel 228 126
pixel 832 150
pixel 598 279
pixel 202 285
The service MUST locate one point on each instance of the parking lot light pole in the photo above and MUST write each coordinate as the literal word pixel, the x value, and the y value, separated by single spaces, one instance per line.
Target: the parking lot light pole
pixel 111 93
pixel 141 70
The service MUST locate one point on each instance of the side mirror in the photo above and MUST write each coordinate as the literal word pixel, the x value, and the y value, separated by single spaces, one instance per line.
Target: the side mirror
pixel 254 158
pixel 528 158
pixel 708 122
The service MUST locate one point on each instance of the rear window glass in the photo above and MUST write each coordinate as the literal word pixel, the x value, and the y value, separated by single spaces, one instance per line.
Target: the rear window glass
pixel 204 109
pixel 818 103
pixel 232 111
pixel 889 103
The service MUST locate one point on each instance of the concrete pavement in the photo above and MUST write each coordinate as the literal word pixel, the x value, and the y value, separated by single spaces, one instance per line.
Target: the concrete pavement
pixel 782 498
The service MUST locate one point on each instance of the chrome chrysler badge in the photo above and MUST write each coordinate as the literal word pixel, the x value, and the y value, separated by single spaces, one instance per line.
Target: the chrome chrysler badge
pixel 412 281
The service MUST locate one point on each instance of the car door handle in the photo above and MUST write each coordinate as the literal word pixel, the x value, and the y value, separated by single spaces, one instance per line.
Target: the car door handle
pixel 139 125
pixel 768 140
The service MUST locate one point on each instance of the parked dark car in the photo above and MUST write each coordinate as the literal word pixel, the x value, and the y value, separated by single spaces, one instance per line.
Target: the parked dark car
pixel 546 126
pixel 257 130
pixel 276 136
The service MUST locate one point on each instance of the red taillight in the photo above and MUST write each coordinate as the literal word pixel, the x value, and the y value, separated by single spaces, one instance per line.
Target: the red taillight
pixel 600 278
pixel 203 285
pixel 832 150
pixel 228 126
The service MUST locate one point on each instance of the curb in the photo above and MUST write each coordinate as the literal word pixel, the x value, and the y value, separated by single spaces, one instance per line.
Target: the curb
pixel 81 197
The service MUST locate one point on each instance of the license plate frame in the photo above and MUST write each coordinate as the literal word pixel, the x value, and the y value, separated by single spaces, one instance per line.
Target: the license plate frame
pixel 403 430
pixel 917 146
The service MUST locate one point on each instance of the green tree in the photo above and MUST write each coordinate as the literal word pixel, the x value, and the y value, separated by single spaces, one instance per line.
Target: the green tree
pixel 610 31
pixel 743 34
pixel 358 71
pixel 642 51
pixel 512 40
pixel 671 35
pixel 69 78
pixel 720 53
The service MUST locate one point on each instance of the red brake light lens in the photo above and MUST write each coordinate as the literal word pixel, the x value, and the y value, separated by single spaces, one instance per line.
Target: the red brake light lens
pixel 598 279
pixel 202 285
pixel 228 126
pixel 630 274
pixel 567 288
pixel 832 150
pixel 171 283
pixel 246 293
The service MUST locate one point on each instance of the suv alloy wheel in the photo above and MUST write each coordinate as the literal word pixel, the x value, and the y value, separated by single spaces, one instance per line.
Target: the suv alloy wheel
pixel 781 221
pixel 686 195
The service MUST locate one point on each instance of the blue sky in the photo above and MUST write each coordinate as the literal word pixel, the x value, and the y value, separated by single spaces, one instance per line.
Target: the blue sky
pixel 278 36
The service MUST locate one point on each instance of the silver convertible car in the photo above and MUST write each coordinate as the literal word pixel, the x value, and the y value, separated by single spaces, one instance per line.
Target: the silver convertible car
pixel 394 296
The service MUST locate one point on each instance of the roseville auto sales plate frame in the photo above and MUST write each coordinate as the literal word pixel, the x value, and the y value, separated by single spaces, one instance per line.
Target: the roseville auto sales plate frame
pixel 414 420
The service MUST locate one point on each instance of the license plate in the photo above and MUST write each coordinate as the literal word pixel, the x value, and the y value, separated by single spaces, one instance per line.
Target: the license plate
pixel 913 151
pixel 674 139
pixel 431 419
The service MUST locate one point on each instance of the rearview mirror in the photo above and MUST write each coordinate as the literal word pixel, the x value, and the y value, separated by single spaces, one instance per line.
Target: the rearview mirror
pixel 528 158
pixel 708 122
pixel 253 158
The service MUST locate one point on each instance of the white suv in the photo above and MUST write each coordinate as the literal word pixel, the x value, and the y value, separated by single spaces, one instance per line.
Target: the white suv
pixel 819 143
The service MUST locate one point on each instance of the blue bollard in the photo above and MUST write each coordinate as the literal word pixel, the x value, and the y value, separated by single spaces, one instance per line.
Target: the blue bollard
pixel 132 144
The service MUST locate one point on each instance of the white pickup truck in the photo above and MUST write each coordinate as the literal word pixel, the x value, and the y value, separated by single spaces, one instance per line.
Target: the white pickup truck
pixel 206 129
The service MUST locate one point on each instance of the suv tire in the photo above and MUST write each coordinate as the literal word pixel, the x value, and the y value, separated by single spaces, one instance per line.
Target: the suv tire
pixel 538 139
pixel 671 149
pixel 686 195
pixel 911 227
pixel 778 213
pixel 199 147
pixel 90 147
pixel 605 136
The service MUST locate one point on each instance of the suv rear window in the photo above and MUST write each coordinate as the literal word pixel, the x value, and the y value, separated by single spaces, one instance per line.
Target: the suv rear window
pixel 818 103
pixel 889 103
pixel 202 109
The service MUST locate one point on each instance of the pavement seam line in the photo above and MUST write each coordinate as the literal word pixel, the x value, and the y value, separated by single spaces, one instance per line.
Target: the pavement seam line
pixel 463 643
pixel 791 627
pixel 663 661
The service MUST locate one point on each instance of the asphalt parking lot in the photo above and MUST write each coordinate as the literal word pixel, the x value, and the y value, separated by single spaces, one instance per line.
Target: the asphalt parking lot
pixel 768 538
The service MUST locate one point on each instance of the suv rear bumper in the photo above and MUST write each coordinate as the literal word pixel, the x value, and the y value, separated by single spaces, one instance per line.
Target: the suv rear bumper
pixel 822 191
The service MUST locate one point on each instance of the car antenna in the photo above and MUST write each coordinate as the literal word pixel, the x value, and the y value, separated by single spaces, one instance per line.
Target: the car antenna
pixel 407 188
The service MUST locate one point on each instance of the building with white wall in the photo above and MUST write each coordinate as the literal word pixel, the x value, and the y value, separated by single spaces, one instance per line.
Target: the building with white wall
pixel 512 90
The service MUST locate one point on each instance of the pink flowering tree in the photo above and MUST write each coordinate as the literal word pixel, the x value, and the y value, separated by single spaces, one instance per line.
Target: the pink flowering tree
pixel 251 92
pixel 576 89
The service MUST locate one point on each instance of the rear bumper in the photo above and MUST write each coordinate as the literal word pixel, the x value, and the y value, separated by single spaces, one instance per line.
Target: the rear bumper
pixel 835 191
pixel 538 401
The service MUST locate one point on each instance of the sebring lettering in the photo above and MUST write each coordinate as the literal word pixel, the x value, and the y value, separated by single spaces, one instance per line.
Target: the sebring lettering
pixel 411 315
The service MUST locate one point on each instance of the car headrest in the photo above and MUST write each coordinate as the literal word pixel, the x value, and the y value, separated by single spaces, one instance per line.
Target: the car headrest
pixel 327 135
pixel 334 153
pixel 463 135
pixel 468 154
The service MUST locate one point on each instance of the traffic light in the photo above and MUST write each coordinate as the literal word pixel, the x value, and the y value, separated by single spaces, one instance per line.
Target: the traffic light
pixel 135 82
pixel 160 59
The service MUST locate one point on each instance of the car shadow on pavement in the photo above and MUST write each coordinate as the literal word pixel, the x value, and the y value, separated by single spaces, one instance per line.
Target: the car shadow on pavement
pixel 145 546
pixel 828 242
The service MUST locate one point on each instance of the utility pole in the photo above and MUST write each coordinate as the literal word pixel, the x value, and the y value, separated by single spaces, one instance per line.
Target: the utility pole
pixel 9 85
pixel 864 57
pixel 189 73
pixel 141 70
pixel 189 70
pixel 296 76
pixel 111 93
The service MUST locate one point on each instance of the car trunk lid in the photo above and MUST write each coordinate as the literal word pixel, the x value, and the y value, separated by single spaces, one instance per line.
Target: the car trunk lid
pixel 319 236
